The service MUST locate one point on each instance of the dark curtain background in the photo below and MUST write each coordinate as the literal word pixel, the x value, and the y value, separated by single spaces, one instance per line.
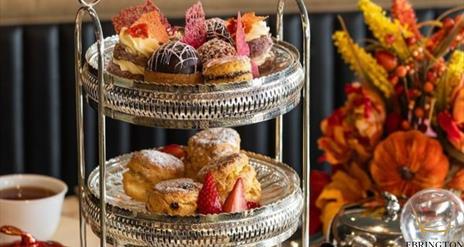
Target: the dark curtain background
pixel 37 114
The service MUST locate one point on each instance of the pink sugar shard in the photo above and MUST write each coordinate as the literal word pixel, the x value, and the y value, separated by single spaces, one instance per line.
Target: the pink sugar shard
pixel 254 70
pixel 195 26
pixel 240 44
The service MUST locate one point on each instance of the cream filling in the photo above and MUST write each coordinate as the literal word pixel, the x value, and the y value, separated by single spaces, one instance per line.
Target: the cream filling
pixel 144 46
pixel 125 65
pixel 257 30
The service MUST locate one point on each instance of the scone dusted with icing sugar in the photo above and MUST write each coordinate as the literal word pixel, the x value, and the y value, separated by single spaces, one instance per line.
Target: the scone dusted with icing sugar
pixel 147 168
pixel 142 30
pixel 227 170
pixel 208 145
pixel 174 197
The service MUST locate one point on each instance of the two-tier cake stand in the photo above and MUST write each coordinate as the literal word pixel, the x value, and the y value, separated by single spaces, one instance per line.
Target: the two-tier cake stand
pixel 122 222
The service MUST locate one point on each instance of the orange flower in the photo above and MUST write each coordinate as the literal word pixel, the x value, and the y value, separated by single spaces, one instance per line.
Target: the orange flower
pixel 353 130
pixel 457 182
pixel 346 187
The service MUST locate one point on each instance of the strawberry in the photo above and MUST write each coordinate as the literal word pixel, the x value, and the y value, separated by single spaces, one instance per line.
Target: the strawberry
pixel 251 205
pixel 175 150
pixel 208 198
pixel 236 202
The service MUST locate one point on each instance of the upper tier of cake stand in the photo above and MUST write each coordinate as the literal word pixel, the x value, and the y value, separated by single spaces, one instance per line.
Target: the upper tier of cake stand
pixel 129 223
pixel 274 93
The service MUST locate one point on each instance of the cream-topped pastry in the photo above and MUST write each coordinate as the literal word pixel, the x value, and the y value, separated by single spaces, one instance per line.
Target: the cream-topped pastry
pixel 139 37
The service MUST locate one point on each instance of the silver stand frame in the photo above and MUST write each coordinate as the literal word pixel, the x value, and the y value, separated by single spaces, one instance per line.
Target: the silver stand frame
pixel 88 8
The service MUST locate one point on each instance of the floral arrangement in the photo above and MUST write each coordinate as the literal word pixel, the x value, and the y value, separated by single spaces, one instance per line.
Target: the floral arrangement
pixel 410 92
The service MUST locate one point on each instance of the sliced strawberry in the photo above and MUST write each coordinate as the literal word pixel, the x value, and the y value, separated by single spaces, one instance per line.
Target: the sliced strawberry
pixel 251 205
pixel 174 149
pixel 208 199
pixel 236 202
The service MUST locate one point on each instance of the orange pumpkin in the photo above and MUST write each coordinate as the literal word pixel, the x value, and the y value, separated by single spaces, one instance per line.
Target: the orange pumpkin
pixel 407 162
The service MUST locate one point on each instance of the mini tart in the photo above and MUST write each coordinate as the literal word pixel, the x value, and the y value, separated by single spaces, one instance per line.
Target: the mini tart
pixel 147 168
pixel 227 170
pixel 228 69
pixel 209 145
pixel 174 197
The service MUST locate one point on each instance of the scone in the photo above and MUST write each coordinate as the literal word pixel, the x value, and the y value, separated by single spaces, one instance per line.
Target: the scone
pixel 208 145
pixel 228 69
pixel 174 197
pixel 147 168
pixel 227 170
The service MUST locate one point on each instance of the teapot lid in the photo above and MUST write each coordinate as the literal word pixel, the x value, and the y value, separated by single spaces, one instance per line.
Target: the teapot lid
pixel 371 217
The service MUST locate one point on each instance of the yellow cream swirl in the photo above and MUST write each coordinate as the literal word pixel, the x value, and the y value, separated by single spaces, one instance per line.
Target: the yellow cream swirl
pixel 138 46
pixel 129 66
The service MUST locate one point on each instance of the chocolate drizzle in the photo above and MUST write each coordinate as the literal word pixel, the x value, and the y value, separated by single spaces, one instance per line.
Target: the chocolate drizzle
pixel 216 28
pixel 175 57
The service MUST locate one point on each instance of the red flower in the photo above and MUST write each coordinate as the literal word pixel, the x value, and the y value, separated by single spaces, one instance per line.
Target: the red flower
pixel 319 179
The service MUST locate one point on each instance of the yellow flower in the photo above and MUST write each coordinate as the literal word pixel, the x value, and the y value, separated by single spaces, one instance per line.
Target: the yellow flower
pixel 456 66
pixel 450 82
pixel 390 34
pixel 362 63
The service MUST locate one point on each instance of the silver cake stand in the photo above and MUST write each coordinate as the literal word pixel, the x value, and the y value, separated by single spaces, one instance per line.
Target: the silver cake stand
pixel 121 221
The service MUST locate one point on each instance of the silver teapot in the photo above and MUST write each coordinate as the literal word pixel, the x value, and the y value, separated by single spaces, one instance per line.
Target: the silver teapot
pixel 359 226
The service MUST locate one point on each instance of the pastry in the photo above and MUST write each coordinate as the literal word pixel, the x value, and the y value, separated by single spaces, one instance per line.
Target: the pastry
pixel 141 30
pixel 174 62
pixel 228 69
pixel 257 36
pixel 227 170
pixel 208 145
pixel 174 197
pixel 215 48
pixel 216 29
pixel 147 168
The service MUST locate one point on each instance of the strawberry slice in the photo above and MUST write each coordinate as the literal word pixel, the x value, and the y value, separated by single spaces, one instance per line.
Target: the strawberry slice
pixel 174 149
pixel 251 205
pixel 236 202
pixel 208 199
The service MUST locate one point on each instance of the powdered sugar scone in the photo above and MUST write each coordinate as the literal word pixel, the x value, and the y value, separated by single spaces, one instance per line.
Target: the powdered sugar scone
pixel 208 145
pixel 174 197
pixel 227 170
pixel 147 168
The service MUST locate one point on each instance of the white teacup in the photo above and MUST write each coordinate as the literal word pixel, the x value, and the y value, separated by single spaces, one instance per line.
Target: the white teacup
pixel 40 217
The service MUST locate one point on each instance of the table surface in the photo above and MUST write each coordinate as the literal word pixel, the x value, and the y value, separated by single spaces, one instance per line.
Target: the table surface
pixel 68 230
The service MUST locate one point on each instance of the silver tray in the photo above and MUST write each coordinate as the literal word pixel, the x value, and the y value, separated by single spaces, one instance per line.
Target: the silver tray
pixel 129 224
pixel 276 92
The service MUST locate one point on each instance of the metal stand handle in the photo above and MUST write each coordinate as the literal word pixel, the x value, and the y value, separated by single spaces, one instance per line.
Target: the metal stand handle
pixel 306 110
pixel 87 8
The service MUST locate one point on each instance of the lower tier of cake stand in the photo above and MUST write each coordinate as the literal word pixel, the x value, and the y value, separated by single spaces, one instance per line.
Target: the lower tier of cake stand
pixel 129 224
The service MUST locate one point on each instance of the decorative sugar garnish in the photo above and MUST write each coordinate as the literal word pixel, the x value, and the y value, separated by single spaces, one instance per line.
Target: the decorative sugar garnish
pixel 240 44
pixel 127 17
pixel 195 26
